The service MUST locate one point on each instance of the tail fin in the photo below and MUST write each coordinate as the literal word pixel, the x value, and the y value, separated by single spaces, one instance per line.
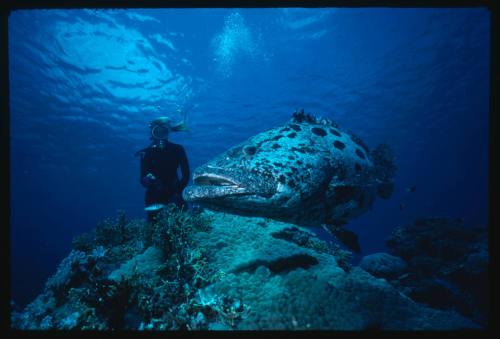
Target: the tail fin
pixel 384 169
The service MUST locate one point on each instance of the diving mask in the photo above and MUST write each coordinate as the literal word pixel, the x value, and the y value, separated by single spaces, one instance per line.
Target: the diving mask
pixel 160 128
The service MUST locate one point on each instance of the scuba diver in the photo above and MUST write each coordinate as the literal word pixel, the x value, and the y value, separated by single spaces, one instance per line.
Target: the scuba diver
pixel 159 164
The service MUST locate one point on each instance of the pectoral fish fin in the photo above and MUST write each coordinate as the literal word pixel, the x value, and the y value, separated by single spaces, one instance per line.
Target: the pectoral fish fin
pixel 346 237
pixel 385 189
pixel 384 169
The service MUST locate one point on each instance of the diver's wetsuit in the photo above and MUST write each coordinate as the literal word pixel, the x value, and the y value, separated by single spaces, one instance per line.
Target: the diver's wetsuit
pixel 163 162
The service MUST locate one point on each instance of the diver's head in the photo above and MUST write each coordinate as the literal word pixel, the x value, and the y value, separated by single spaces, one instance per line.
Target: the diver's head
pixel 160 128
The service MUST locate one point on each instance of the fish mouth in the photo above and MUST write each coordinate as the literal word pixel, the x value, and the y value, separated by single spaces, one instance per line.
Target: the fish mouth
pixel 215 180
pixel 209 186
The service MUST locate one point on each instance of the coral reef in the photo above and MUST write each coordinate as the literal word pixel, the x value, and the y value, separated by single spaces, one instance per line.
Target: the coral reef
pixel 307 240
pixel 215 271
pixel 447 265
pixel 125 274
pixel 383 265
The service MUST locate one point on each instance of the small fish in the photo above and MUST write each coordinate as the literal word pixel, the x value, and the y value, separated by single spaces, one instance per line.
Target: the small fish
pixel 411 189
pixel 154 207
pixel 401 206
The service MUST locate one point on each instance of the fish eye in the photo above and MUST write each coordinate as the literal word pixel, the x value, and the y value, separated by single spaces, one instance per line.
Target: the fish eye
pixel 250 150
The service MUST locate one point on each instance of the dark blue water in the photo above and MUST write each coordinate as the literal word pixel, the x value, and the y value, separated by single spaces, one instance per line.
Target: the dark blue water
pixel 85 83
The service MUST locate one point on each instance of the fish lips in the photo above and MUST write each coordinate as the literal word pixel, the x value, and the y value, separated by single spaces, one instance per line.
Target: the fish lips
pixel 208 186
pixel 209 192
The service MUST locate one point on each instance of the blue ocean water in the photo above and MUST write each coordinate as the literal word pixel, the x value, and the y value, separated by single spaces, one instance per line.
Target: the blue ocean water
pixel 85 83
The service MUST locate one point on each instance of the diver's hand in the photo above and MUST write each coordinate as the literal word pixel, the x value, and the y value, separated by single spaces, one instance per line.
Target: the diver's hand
pixel 148 180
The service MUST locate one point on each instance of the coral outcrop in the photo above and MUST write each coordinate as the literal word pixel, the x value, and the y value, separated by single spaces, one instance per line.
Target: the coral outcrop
pixel 215 271
pixel 447 265
pixel 383 265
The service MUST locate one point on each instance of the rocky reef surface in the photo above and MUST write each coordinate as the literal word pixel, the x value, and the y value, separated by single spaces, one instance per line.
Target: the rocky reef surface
pixel 383 265
pixel 216 271
pixel 447 265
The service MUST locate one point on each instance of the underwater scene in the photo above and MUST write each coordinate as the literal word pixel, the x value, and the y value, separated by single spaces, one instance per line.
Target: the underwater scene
pixel 249 169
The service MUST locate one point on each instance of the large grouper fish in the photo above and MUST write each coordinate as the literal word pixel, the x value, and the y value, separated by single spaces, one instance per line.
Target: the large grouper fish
pixel 308 172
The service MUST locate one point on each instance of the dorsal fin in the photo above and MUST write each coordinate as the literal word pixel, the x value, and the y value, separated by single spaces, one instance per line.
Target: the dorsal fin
pixel 302 117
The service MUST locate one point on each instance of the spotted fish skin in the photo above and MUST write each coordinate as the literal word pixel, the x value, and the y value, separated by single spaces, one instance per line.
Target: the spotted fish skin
pixel 308 172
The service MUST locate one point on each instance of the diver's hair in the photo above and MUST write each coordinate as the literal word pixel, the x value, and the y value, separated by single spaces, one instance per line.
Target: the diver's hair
pixel 181 127
pixel 173 127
